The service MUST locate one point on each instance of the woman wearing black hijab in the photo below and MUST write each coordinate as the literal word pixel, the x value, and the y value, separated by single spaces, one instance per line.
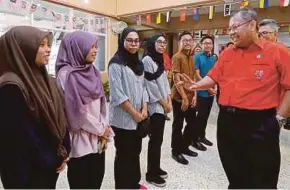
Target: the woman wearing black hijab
pixel 159 105
pixel 34 142
pixel 128 107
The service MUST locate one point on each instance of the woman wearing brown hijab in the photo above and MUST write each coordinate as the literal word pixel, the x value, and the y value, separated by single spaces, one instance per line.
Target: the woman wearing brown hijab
pixel 34 142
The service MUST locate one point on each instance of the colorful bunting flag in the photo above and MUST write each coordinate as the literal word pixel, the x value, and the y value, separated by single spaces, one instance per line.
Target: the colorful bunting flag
pixel 58 20
pixel 33 8
pixel 195 13
pixel 168 16
pixel 92 25
pixel 244 4
pixel 98 23
pixel 52 13
pixel 183 14
pixel 44 10
pixel 211 11
pixel 13 4
pixel 227 9
pixel 24 4
pixel 103 23
pixel 284 3
pixel 148 19
pixel 139 20
pixel 264 4
pixel 158 18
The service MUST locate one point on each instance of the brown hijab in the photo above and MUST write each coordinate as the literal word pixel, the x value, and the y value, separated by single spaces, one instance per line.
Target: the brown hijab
pixel 19 47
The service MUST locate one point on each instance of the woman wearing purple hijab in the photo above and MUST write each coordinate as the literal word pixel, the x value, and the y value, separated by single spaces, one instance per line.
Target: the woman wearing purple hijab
pixel 85 106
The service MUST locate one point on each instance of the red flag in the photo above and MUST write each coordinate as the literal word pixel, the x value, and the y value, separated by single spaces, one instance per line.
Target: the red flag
pixel 183 14
pixel 148 19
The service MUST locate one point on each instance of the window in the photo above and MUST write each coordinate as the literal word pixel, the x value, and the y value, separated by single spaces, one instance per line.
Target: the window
pixel 56 18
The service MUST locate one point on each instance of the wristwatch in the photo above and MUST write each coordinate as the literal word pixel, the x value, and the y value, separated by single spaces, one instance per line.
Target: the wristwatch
pixel 282 121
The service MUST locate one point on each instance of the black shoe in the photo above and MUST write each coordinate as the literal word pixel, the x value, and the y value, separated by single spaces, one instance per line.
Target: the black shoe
pixel 205 141
pixel 190 153
pixel 180 159
pixel 198 146
pixel 163 174
pixel 167 118
pixel 157 181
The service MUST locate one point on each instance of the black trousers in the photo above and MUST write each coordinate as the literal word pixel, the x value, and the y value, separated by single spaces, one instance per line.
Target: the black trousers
pixel 157 123
pixel 248 145
pixel 204 105
pixel 127 161
pixel 36 179
pixel 86 172
pixel 180 141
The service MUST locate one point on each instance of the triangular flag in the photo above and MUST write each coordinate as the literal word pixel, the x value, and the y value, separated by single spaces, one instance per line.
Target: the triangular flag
pixel 215 31
pixel 24 5
pixel 227 9
pixel 244 4
pixel 13 4
pixel 33 8
pixel 103 23
pixel 195 13
pixel 183 14
pixel 211 11
pixel 284 3
pixel 264 4
pixel 148 19
pixel 139 20
pixel 58 19
pixel 158 18
pixel 168 16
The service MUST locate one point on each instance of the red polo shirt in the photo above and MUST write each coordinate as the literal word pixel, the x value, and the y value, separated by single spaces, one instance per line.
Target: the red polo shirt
pixel 252 78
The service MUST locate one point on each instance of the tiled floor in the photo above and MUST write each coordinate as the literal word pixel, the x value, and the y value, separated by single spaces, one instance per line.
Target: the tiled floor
pixel 203 172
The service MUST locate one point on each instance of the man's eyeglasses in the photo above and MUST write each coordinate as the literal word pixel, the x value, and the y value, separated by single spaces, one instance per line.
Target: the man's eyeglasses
pixel 235 27
pixel 131 41
pixel 160 42
pixel 265 33
pixel 187 41
pixel 207 44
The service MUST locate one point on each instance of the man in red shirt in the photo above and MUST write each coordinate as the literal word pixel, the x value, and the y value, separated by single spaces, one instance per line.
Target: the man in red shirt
pixel 251 76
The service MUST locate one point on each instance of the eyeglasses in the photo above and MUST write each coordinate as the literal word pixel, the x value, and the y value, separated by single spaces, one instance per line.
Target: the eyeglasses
pixel 187 41
pixel 235 27
pixel 265 33
pixel 131 41
pixel 160 42
pixel 207 44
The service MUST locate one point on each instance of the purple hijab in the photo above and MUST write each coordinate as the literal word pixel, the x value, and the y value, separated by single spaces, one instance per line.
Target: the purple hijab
pixel 83 82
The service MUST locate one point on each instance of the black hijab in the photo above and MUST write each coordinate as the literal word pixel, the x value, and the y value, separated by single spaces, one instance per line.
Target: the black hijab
pixel 156 57
pixel 123 57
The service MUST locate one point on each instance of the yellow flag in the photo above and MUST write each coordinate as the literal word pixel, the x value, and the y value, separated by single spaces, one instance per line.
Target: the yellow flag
pixel 211 10
pixel 158 18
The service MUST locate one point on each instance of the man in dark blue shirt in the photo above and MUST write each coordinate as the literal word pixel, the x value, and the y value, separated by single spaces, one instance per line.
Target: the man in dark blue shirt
pixel 204 62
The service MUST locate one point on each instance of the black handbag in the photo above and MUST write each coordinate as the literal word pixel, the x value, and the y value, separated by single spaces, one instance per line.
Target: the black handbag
pixel 143 128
